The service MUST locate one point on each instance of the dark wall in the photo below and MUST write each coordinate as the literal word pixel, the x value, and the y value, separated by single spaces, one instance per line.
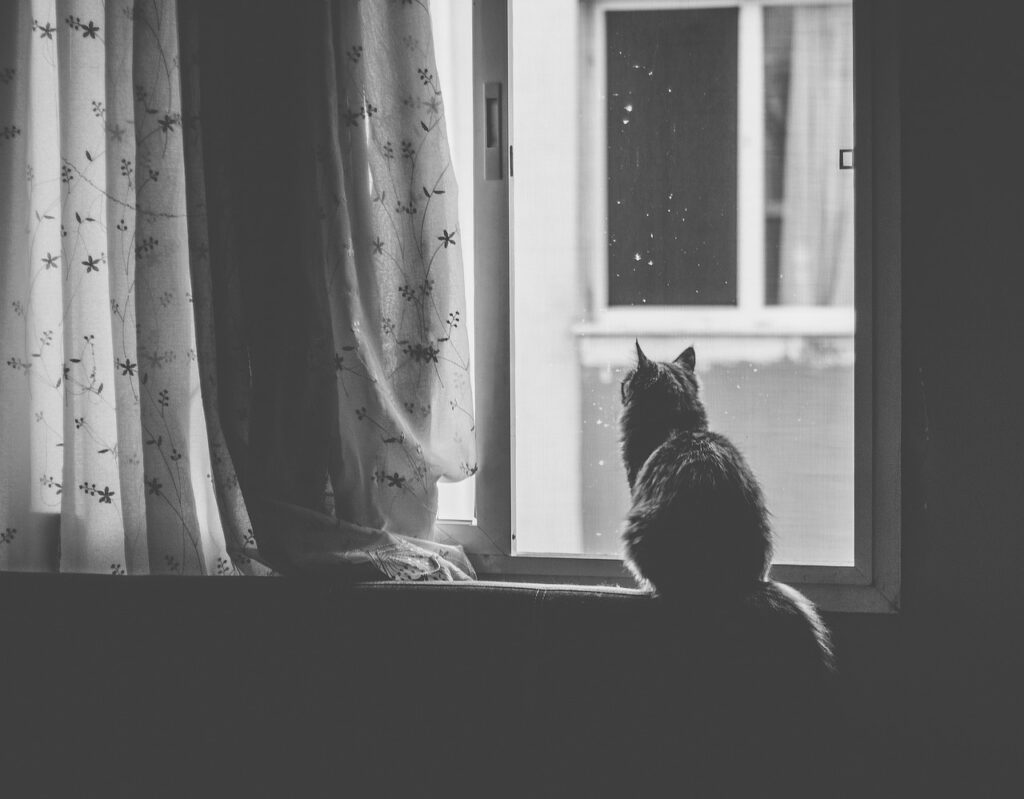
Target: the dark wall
pixel 935 690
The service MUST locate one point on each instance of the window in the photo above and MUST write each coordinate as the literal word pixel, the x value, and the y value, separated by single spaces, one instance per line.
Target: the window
pixel 676 178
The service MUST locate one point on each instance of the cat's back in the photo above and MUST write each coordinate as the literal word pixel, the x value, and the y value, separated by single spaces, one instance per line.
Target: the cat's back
pixel 698 457
pixel 703 477
pixel 698 517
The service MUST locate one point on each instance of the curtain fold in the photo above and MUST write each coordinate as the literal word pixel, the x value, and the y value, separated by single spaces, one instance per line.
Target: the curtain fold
pixel 816 258
pixel 104 439
pixel 391 260
pixel 337 280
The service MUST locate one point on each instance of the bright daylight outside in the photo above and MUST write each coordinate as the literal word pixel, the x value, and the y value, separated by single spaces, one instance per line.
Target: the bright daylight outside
pixel 677 180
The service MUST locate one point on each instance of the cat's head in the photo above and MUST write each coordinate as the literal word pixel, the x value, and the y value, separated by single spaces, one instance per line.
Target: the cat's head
pixel 658 399
pixel 667 393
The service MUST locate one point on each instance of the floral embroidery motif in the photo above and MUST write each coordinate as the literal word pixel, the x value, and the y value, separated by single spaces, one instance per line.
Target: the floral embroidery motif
pixel 88 30
pixel 45 31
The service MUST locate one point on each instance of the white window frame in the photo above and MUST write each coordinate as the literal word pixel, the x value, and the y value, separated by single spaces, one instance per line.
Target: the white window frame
pixel 750 316
pixel 872 584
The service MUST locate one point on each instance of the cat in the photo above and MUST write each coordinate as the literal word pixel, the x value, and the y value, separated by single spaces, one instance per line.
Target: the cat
pixel 698 525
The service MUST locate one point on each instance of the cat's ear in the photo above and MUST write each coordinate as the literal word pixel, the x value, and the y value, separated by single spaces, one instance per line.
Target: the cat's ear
pixel 687 358
pixel 642 361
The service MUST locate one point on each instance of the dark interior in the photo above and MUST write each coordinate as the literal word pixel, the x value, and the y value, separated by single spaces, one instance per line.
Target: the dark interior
pixel 311 687
pixel 141 683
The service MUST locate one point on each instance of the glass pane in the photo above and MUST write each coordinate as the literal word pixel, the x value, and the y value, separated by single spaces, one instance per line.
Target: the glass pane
pixel 808 106
pixel 635 150
pixel 791 417
pixel 671 120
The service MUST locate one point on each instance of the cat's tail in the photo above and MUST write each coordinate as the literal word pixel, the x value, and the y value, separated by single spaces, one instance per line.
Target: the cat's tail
pixel 798 691
pixel 798 618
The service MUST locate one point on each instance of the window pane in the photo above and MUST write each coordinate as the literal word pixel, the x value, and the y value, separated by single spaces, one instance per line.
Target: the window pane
pixel 610 165
pixel 671 119
pixel 791 417
pixel 808 119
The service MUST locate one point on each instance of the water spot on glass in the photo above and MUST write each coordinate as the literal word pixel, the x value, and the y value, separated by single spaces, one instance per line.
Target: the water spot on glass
pixel 629 108
pixel 650 263
pixel 671 194
pixel 625 121
pixel 600 463
pixel 618 202
pixel 670 90
pixel 636 256
pixel 650 73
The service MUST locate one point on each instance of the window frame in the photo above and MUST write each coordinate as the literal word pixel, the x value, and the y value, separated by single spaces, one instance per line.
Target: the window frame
pixel 751 315
pixel 873 583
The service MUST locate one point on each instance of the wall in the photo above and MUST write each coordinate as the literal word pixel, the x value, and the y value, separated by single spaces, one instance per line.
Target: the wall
pixel 935 691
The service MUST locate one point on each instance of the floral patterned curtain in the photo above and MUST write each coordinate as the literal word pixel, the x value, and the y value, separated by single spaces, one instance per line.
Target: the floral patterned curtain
pixel 128 335
pixel 343 351
pixel 392 263
pixel 109 460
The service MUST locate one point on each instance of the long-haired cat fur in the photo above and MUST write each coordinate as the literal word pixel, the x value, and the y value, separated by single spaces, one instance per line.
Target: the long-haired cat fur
pixel 698 527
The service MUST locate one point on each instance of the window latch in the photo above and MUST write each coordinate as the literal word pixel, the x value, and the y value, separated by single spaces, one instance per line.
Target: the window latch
pixel 492 131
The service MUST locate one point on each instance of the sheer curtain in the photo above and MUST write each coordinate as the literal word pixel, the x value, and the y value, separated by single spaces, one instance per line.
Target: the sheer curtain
pixel 816 263
pixel 109 461
pixel 337 278
pixel 128 336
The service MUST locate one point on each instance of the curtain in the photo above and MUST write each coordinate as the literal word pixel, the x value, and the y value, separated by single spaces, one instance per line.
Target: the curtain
pixel 161 323
pixel 110 462
pixel 816 258
pixel 337 279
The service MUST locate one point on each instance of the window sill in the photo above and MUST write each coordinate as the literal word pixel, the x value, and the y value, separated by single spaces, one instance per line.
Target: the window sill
pixel 713 321
pixel 726 335
pixel 842 589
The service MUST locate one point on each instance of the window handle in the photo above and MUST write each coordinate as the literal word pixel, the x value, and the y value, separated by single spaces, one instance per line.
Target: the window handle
pixel 492 131
pixel 846 159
